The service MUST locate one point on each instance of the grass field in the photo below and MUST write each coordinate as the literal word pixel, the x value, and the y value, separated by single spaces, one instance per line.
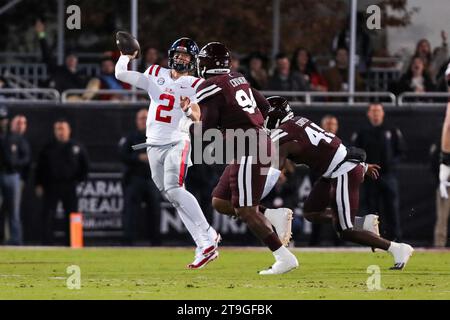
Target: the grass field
pixel 160 274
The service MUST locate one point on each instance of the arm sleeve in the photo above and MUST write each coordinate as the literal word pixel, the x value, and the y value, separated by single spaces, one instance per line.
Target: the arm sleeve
pixel 134 78
pixel 261 102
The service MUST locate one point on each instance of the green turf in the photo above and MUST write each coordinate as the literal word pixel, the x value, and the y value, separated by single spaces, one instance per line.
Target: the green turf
pixel 160 274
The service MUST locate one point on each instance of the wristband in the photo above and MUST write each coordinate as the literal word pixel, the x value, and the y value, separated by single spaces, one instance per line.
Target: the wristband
pixel 445 158
pixel 188 112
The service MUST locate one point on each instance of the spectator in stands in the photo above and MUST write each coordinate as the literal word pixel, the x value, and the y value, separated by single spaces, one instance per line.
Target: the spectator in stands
pixel 236 64
pixel 364 47
pixel 138 185
pixel 19 127
pixel 304 66
pixel 15 154
pixel 337 76
pixel 257 74
pixel 62 163
pixel 150 57
pixel 384 146
pixel 285 80
pixel 417 79
pixel 63 77
pixel 106 80
pixel 432 60
pixel 330 124
pixel 19 124
pixel 442 204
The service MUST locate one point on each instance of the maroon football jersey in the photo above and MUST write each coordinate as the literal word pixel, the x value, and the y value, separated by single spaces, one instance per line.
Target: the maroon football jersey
pixel 228 102
pixel 314 147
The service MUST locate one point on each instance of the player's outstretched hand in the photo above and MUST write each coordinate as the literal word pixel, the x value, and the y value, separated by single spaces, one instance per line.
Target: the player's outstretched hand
pixel 373 171
pixel 184 103
pixel 131 56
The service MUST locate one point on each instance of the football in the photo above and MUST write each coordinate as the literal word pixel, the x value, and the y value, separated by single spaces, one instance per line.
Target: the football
pixel 127 44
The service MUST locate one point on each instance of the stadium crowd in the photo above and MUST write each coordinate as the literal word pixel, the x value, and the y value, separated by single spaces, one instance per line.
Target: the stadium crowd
pixel 297 71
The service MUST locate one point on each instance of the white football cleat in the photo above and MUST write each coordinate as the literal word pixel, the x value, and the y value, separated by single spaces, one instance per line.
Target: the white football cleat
pixel 215 240
pixel 401 252
pixel 285 261
pixel 281 219
pixel 200 260
pixel 371 222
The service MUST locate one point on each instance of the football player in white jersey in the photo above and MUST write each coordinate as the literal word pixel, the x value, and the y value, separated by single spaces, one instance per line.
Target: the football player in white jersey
pixel 169 146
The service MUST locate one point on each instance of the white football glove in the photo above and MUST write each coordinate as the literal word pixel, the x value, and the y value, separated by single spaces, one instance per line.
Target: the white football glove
pixel 444 174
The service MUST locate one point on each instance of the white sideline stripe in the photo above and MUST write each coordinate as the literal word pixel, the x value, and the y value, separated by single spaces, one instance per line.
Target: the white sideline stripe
pixel 206 89
pixel 248 180
pixel 207 94
pixel 241 181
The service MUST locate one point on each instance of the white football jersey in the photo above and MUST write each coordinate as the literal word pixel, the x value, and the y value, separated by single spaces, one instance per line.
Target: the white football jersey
pixel 165 113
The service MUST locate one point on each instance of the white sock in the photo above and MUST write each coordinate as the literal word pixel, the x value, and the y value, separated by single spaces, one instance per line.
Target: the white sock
pixel 393 246
pixel 282 253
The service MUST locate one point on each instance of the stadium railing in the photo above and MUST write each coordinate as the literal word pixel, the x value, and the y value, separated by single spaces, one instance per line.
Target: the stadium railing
pixel 26 96
pixel 421 99
pixel 314 98
pixel 37 73
pixel 296 98
pixel 104 96
pixel 34 73
pixel 379 79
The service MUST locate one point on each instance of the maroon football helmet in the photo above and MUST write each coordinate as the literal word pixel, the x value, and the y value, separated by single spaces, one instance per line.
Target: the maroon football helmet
pixel 213 59
pixel 279 112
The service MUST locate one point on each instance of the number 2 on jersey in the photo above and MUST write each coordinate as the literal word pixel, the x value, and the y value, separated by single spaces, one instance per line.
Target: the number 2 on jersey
pixel 167 107
pixel 316 133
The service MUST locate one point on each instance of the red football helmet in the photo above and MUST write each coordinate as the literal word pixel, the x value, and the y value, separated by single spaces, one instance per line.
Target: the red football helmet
pixel 213 59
